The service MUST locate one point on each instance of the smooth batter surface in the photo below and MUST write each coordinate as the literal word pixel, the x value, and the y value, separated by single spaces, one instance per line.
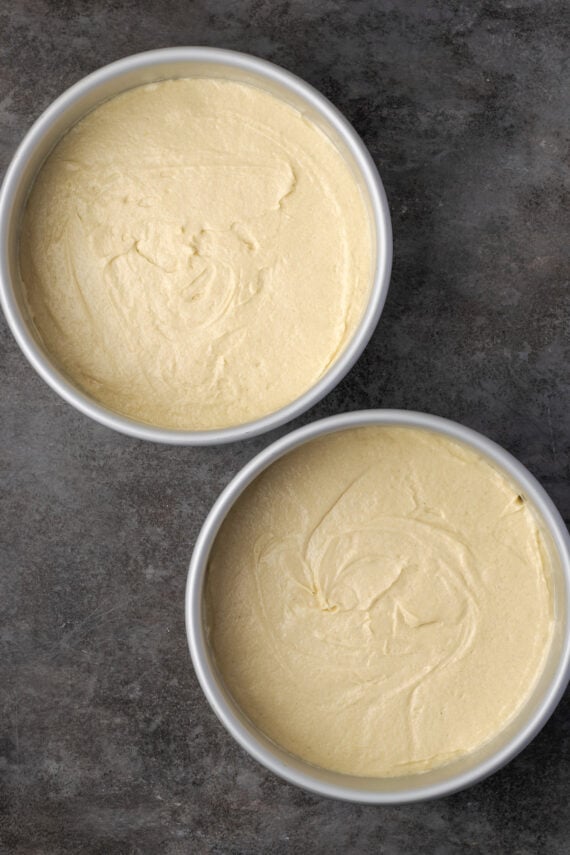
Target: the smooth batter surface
pixel 379 601
pixel 195 253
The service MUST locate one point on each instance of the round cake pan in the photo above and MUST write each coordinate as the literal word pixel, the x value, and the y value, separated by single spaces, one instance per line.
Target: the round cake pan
pixel 150 67
pixel 460 773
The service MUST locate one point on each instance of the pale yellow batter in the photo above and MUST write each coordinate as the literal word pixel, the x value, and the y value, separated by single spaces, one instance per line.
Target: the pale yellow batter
pixel 379 601
pixel 195 253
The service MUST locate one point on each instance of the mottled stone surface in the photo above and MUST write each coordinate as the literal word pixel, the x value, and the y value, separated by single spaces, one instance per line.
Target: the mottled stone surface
pixel 107 745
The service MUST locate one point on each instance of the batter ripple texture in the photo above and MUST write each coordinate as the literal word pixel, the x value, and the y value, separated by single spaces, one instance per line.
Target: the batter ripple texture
pixel 379 601
pixel 195 253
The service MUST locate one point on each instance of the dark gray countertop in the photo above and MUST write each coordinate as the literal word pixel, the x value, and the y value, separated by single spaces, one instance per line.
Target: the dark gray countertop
pixel 107 745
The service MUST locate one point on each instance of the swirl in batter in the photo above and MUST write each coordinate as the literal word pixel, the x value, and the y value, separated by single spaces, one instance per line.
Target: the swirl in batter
pixel 379 601
pixel 195 253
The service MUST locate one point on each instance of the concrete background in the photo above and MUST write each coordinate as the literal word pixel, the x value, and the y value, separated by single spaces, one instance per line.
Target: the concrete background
pixel 107 745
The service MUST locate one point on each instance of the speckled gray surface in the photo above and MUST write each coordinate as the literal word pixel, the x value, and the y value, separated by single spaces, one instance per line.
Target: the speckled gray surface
pixel 107 745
